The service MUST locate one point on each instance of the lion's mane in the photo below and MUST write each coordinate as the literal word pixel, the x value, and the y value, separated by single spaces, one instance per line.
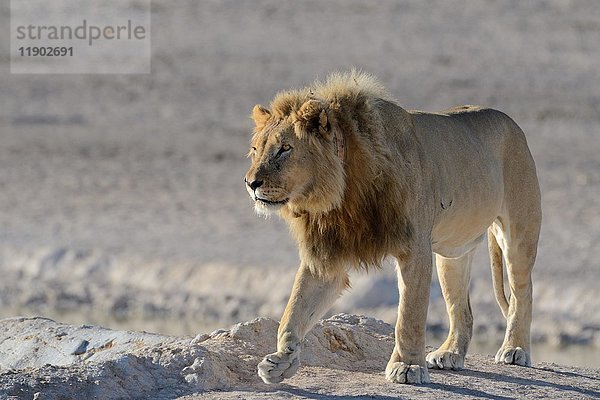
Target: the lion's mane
pixel 370 219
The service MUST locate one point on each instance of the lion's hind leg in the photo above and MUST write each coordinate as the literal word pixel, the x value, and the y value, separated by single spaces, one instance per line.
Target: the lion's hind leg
pixel 454 277
pixel 519 245
pixel 516 231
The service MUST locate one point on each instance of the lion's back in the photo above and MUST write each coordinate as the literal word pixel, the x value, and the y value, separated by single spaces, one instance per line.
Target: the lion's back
pixel 462 125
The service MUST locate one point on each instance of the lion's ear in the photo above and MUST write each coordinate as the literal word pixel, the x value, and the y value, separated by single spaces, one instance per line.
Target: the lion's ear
pixel 314 115
pixel 260 115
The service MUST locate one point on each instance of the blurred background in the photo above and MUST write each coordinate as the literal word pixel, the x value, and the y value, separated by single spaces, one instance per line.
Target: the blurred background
pixel 121 196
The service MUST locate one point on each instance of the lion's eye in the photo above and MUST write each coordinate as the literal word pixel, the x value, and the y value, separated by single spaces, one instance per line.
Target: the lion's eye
pixel 284 149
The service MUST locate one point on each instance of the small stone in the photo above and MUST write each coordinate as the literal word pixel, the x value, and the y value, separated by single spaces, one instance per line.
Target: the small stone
pixel 81 348
pixel 201 337
pixel 191 379
pixel 219 333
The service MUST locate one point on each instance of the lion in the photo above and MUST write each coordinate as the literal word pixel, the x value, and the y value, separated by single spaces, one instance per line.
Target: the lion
pixel 358 178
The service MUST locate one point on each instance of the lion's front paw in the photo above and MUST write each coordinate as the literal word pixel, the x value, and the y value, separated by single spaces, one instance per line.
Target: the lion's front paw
pixel 275 367
pixel 445 359
pixel 400 372
pixel 513 355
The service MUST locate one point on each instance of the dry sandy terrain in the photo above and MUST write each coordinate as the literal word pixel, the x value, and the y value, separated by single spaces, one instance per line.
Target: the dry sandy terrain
pixel 343 358
pixel 122 201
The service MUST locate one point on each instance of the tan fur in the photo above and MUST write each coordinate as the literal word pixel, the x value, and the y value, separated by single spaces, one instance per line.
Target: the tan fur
pixel 405 185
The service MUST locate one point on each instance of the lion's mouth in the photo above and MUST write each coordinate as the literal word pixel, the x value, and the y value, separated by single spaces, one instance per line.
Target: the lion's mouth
pixel 270 202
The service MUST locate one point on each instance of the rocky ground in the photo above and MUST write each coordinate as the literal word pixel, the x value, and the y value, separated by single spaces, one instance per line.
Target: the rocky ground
pixel 343 358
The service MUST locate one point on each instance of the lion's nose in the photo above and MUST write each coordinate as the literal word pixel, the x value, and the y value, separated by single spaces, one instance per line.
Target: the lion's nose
pixel 254 184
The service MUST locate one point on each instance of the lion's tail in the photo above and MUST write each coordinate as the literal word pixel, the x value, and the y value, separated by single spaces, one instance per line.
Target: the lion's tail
pixel 497 272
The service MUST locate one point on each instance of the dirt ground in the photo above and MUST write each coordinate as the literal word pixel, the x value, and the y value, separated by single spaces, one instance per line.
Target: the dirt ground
pixel 486 381
pixel 342 358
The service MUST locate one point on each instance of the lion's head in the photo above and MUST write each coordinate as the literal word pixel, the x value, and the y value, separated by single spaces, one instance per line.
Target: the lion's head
pixel 296 159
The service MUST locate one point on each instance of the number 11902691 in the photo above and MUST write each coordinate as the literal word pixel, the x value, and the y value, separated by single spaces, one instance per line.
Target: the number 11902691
pixel 46 51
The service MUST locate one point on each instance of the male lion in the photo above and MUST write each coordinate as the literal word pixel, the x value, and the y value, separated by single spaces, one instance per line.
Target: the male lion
pixel 358 178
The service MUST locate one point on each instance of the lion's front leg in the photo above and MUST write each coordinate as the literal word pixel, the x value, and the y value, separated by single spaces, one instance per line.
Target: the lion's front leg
pixel 407 363
pixel 311 297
